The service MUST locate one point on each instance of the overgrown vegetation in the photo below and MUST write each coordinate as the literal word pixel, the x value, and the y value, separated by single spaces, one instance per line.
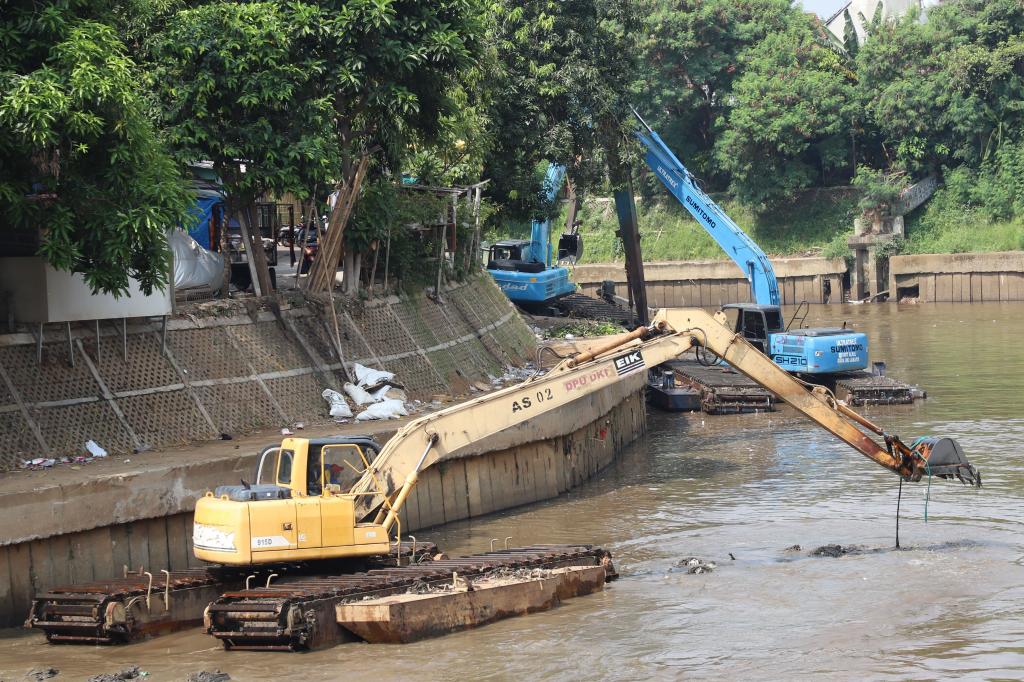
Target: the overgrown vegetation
pixel 813 224
pixel 103 102
pixel 583 328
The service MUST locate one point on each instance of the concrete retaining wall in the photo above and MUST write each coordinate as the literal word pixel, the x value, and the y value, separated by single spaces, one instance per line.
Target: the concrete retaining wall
pixel 960 277
pixel 715 283
pixel 224 370
pixel 67 546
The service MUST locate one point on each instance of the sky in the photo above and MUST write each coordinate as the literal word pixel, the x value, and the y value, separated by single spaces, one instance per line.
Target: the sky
pixel 824 8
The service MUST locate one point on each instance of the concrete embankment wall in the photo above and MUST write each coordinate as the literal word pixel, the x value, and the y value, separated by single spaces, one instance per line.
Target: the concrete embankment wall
pixel 959 277
pixel 91 530
pixel 226 370
pixel 715 283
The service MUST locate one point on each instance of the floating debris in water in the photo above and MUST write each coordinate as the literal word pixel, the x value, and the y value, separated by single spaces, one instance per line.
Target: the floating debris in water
pixel 696 566
pixel 206 676
pixel 793 548
pixel 42 674
pixel 832 551
pixel 132 672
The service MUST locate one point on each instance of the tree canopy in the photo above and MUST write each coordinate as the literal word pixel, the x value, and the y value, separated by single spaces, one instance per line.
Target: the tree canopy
pixel 103 103
pixel 81 160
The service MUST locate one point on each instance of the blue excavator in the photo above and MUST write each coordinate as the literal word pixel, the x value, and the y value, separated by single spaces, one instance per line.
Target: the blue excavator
pixel 805 351
pixel 524 269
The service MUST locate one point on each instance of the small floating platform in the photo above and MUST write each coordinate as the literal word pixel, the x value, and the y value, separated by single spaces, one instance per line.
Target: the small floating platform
pixel 722 390
pixel 664 394
pixel 401 618
pixel 674 399
pixel 865 388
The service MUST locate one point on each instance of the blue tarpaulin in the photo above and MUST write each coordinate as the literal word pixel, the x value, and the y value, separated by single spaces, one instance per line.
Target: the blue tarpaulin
pixel 204 209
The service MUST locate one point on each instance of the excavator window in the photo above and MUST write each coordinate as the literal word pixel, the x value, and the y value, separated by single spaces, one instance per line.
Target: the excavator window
pixel 314 483
pixel 753 324
pixel 266 472
pixel 341 466
pixel 754 328
pixel 284 467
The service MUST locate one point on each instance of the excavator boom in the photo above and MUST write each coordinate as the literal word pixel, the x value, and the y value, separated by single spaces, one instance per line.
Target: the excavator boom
pixel 513 416
pixel 299 511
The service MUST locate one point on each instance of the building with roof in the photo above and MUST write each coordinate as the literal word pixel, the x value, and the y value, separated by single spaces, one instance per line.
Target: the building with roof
pixel 862 11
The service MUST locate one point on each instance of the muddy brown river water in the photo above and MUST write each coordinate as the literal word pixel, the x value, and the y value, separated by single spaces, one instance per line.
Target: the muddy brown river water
pixel 949 604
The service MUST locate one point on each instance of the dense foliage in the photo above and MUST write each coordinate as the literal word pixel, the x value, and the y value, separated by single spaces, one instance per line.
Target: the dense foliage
pixel 81 161
pixel 104 102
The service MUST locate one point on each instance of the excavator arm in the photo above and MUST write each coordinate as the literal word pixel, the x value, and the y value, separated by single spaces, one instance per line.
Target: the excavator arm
pixel 940 457
pixel 559 401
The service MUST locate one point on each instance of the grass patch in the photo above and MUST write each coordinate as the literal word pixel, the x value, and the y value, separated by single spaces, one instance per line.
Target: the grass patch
pixel 818 223
pixel 938 228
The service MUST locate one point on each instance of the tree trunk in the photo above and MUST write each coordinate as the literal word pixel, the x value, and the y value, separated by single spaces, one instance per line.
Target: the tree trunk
pixel 225 252
pixel 351 268
pixel 256 256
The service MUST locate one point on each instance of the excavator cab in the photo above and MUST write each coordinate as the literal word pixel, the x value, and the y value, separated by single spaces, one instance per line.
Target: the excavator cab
pixel 513 255
pixel 299 507
pixel 757 323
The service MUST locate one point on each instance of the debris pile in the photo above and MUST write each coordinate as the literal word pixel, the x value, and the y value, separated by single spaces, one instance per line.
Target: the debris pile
pixel 384 397
pixel 132 672
pixel 833 551
pixel 206 676
pixel 695 566
pixel 91 451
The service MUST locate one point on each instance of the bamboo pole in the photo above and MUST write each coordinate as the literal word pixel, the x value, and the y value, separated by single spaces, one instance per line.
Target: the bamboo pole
pixel 325 266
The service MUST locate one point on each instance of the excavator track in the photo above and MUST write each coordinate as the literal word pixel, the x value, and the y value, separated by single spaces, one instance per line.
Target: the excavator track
pixel 141 604
pixel 299 613
pixel 121 609
pixel 865 388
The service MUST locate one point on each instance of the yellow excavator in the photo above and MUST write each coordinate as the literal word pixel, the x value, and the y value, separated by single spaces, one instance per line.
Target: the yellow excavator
pixel 340 498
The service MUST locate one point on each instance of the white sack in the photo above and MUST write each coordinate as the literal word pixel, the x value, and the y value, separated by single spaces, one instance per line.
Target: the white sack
pixel 368 377
pixel 358 394
pixel 387 409
pixel 339 408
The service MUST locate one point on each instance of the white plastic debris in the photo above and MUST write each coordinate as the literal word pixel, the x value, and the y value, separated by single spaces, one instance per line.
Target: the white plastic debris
pixel 368 377
pixel 358 394
pixel 386 409
pixel 382 393
pixel 286 431
pixel 94 449
pixel 339 408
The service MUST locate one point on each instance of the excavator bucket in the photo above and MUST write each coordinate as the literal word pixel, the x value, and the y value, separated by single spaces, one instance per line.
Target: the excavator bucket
pixel 944 458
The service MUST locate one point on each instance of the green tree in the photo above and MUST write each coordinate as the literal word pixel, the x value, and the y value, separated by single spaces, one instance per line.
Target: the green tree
pixel 691 59
pixel 236 89
pixel 559 96
pixel 391 71
pixel 791 115
pixel 947 90
pixel 80 159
